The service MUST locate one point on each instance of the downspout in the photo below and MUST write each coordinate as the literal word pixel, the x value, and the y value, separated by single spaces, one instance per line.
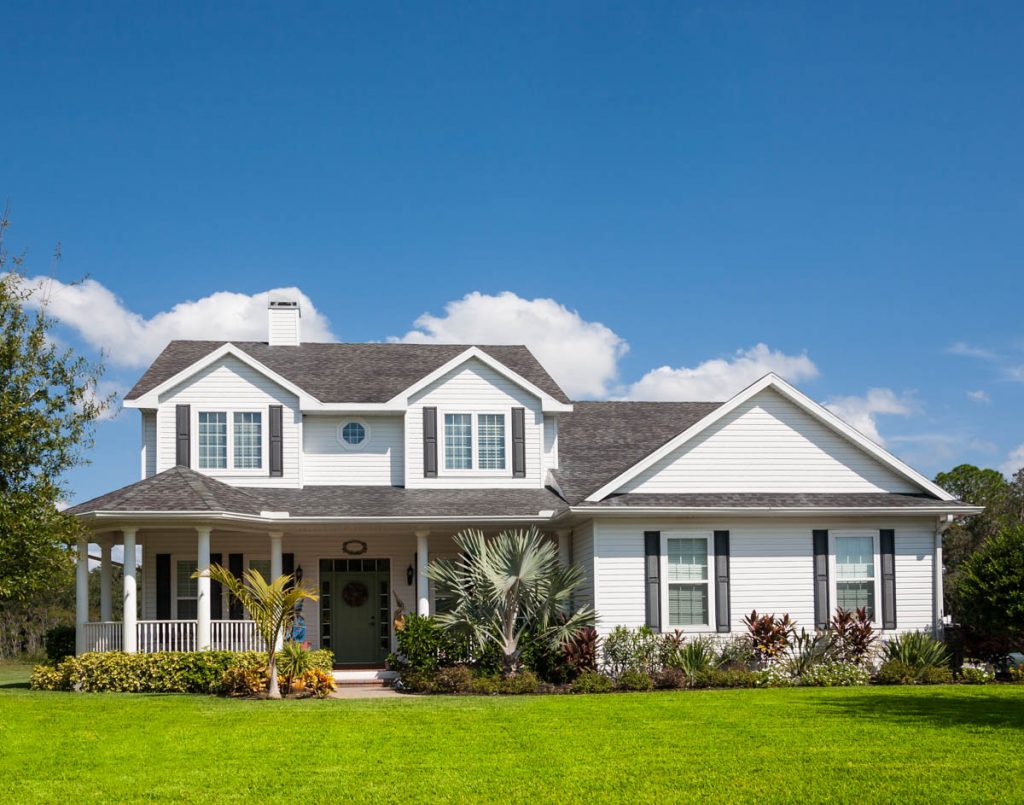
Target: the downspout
pixel 943 524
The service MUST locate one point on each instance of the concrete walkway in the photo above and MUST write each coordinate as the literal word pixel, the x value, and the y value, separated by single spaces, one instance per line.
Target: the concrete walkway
pixel 366 692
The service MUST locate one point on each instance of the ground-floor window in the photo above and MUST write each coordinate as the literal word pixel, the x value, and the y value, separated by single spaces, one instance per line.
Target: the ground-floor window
pixel 187 589
pixel 686 591
pixel 855 572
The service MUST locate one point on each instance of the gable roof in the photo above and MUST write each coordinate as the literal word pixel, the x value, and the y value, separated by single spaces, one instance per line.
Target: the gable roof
pixel 803 402
pixel 347 373
pixel 598 441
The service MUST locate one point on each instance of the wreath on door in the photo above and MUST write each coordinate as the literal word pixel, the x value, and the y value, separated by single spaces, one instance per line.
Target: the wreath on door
pixel 355 594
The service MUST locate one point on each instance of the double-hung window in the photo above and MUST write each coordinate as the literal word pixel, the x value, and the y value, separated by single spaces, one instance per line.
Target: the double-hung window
pixel 687 576
pixel 475 442
pixel 187 589
pixel 491 439
pixel 458 441
pixel 855 573
pixel 230 440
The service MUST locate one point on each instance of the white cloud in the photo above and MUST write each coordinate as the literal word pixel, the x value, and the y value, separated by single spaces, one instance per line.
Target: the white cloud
pixel 965 350
pixel 979 396
pixel 582 356
pixel 131 340
pixel 1014 461
pixel 860 412
pixel 721 378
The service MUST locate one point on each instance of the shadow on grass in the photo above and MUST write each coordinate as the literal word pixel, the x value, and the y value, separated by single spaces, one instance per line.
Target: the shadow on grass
pixel 12 685
pixel 943 706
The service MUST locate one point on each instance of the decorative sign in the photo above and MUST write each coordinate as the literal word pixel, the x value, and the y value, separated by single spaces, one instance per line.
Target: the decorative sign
pixel 354 547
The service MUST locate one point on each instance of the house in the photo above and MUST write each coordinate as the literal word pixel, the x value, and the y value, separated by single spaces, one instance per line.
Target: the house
pixel 353 465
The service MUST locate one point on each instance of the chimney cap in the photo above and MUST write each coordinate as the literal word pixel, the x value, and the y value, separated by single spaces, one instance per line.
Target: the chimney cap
pixel 283 304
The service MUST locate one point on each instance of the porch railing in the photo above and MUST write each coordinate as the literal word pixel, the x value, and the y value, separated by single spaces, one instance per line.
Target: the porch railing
pixel 103 636
pixel 166 636
pixel 234 636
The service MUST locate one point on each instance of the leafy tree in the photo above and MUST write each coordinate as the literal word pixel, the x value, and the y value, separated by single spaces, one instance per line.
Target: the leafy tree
pixel 991 586
pixel 271 605
pixel 48 407
pixel 507 590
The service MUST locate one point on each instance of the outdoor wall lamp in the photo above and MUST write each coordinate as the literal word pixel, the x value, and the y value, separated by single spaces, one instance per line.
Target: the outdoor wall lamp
pixel 410 574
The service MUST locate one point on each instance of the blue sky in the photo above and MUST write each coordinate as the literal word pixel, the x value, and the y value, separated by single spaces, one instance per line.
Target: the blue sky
pixel 685 181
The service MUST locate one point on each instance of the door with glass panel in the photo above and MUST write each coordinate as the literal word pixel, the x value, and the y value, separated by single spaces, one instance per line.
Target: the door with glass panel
pixel 355 610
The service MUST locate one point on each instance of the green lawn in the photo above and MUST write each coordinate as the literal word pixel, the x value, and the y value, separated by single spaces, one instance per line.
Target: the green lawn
pixel 938 744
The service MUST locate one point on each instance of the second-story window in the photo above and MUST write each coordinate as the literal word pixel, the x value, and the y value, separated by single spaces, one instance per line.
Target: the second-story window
pixel 458 441
pixel 223 434
pixel 491 440
pixel 213 440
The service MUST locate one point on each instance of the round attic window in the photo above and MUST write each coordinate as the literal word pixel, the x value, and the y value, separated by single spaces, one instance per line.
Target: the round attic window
pixel 353 434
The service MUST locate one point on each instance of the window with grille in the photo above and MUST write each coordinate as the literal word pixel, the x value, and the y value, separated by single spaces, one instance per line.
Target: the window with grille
pixel 855 573
pixel 248 438
pixel 187 589
pixel 688 581
pixel 491 441
pixel 458 442
pixel 213 440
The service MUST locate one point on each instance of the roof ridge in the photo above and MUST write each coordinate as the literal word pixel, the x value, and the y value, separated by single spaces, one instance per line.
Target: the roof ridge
pixel 200 484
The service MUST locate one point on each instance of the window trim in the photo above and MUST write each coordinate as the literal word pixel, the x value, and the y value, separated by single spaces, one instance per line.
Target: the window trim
pixel 833 567
pixel 229 412
pixel 709 539
pixel 347 445
pixel 474 414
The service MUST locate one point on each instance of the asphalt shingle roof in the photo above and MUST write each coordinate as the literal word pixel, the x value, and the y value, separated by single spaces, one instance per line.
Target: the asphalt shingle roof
pixel 782 500
pixel 355 373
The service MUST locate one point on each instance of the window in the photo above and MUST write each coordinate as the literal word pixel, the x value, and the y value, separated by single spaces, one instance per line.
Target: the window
pixel 248 437
pixel 262 566
pixel 458 442
pixel 187 589
pixel 855 573
pixel 688 581
pixel 491 440
pixel 353 434
pixel 213 440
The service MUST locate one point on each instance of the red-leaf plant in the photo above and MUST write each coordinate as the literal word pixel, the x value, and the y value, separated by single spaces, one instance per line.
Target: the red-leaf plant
pixel 852 635
pixel 769 635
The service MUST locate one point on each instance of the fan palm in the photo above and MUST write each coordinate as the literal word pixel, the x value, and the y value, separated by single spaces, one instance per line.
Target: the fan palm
pixel 271 605
pixel 503 589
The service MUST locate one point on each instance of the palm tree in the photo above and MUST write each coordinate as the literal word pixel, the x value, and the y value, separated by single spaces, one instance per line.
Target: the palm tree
pixel 271 605
pixel 503 589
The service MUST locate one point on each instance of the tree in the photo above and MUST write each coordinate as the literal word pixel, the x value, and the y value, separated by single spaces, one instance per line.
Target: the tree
pixel 508 588
pixel 271 605
pixel 991 586
pixel 48 409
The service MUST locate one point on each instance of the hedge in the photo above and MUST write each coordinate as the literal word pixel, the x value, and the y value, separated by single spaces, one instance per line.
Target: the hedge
pixel 160 672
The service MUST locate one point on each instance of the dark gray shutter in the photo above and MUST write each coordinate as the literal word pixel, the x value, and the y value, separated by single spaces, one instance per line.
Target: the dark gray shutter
pixel 429 442
pixel 183 437
pixel 887 548
pixel 163 586
pixel 235 562
pixel 821 607
pixel 216 598
pixel 652 578
pixel 518 442
pixel 276 441
pixel 723 615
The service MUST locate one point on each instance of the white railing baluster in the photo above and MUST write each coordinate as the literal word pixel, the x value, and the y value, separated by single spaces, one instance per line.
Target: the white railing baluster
pixel 173 635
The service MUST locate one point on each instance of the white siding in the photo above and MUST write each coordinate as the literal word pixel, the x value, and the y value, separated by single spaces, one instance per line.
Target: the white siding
pixel 380 461
pixel 470 388
pixel 148 443
pixel 768 445
pixel 550 442
pixel 229 384
pixel 283 326
pixel 583 555
pixel 771 564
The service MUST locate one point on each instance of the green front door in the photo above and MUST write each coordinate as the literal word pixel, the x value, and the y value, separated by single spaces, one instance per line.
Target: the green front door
pixel 354 610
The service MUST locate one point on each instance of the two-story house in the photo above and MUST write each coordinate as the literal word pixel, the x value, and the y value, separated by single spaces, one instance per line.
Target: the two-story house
pixel 355 464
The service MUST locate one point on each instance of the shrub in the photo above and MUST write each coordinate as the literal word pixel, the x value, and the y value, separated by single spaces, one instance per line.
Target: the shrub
pixel 59 643
pixel 934 675
pixel 632 650
pixel 318 682
pixel 670 679
pixel 48 677
pixel 726 678
pixel 524 682
pixel 416 681
pixel 991 585
pixel 736 653
pixel 592 682
pixel 1016 672
pixel 696 657
pixel 835 674
pixel 635 680
pixel 975 672
pixel 423 646
pixel 852 636
pixel 769 635
pixel 242 680
pixel 918 650
pixel 293 661
pixel 897 672
pixel 580 651
pixel 486 684
pixel 456 679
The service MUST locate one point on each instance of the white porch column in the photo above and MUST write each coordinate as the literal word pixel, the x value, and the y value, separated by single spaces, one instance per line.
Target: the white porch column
pixel 130 616
pixel 422 582
pixel 565 547
pixel 203 589
pixel 106 605
pixel 276 567
pixel 81 594
pixel 938 611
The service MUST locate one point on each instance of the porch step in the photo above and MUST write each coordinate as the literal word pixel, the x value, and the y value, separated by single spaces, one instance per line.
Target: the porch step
pixel 364 677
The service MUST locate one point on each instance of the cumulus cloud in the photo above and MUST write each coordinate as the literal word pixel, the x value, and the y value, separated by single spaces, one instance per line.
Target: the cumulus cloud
pixel 861 412
pixel 721 378
pixel 582 356
pixel 131 340
pixel 979 396
pixel 1014 461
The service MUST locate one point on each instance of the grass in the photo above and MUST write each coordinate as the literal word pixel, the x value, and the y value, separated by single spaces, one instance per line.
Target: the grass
pixel 854 744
